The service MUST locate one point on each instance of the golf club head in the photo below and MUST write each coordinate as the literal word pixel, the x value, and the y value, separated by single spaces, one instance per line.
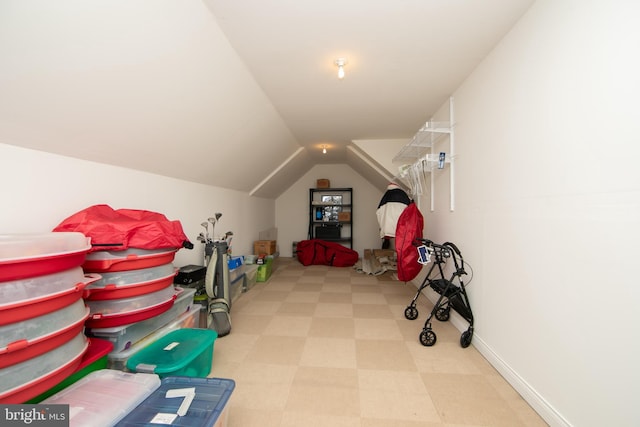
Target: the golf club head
pixel 213 220
pixel 206 228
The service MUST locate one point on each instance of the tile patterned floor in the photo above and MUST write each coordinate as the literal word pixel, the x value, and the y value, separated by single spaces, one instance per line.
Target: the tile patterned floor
pixel 325 346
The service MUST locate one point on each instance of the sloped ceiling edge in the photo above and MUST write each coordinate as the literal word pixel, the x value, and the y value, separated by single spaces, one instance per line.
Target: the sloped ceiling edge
pixel 279 181
pixel 370 170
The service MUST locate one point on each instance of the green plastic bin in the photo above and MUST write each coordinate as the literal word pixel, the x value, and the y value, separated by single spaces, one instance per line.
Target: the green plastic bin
pixel 184 352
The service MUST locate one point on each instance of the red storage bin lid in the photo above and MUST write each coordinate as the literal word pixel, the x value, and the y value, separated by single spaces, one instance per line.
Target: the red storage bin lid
pixel 42 334
pixel 130 259
pixel 25 310
pixel 33 387
pixel 110 320
pixel 131 283
pixel 29 255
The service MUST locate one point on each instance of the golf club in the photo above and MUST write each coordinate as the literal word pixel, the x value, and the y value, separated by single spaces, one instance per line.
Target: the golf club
pixel 228 236
pixel 213 220
pixel 206 229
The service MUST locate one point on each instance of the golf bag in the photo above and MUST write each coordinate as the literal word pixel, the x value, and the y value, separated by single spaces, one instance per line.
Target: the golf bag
pixel 217 287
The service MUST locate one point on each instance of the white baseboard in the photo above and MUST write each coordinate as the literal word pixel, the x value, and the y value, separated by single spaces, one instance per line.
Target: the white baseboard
pixel 528 393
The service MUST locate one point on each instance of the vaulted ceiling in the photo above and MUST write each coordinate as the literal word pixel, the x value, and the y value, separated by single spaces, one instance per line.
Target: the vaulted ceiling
pixel 236 94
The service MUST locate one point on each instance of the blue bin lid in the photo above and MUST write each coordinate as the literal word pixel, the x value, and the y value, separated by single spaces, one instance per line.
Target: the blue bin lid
pixel 211 398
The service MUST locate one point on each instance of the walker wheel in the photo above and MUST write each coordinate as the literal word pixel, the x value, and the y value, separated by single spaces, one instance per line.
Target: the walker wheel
pixel 442 314
pixel 427 338
pixel 411 313
pixel 465 338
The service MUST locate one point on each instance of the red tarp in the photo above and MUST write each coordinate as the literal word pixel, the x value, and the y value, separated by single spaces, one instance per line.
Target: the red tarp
pixel 321 252
pixel 116 230
pixel 410 225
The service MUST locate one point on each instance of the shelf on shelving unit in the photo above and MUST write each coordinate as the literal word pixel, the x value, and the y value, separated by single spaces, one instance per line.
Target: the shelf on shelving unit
pixel 344 205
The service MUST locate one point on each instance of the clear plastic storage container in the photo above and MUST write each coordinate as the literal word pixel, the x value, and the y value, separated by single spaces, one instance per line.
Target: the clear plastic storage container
pixel 118 312
pixel 94 359
pixel 118 360
pixel 104 397
pixel 131 283
pixel 23 340
pixel 28 255
pixel 130 259
pixel 125 336
pixel 23 381
pixel 34 296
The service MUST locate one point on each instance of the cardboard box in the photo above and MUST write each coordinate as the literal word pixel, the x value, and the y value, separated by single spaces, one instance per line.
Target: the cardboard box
pixel 389 253
pixel 267 247
pixel 344 216
pixel 323 183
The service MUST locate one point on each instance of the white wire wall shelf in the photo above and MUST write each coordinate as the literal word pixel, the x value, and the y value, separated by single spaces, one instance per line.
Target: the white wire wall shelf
pixel 420 159
pixel 423 141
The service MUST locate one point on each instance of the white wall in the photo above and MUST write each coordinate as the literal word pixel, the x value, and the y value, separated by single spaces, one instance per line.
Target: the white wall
pixel 292 208
pixel 547 202
pixel 39 190
pixel 548 208
pixel 147 85
pixel 383 151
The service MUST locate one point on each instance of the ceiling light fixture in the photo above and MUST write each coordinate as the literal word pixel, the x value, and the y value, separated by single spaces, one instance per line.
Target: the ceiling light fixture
pixel 324 149
pixel 341 62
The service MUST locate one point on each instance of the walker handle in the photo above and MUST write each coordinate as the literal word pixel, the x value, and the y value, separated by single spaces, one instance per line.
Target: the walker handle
pixel 454 247
pixel 420 241
pixel 460 268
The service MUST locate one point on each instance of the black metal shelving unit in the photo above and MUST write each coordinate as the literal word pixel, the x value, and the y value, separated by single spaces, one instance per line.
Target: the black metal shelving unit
pixel 331 215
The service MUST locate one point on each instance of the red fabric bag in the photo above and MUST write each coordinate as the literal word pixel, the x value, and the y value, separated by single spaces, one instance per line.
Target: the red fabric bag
pixel 410 225
pixel 116 230
pixel 321 252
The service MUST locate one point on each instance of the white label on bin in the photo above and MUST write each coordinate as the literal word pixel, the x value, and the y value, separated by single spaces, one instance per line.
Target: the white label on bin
pixel 171 346
pixel 187 393
pixel 162 418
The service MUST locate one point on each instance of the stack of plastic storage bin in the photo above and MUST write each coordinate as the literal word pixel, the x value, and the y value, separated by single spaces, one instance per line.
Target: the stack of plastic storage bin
pixel 42 313
pixel 135 301
pixel 110 397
